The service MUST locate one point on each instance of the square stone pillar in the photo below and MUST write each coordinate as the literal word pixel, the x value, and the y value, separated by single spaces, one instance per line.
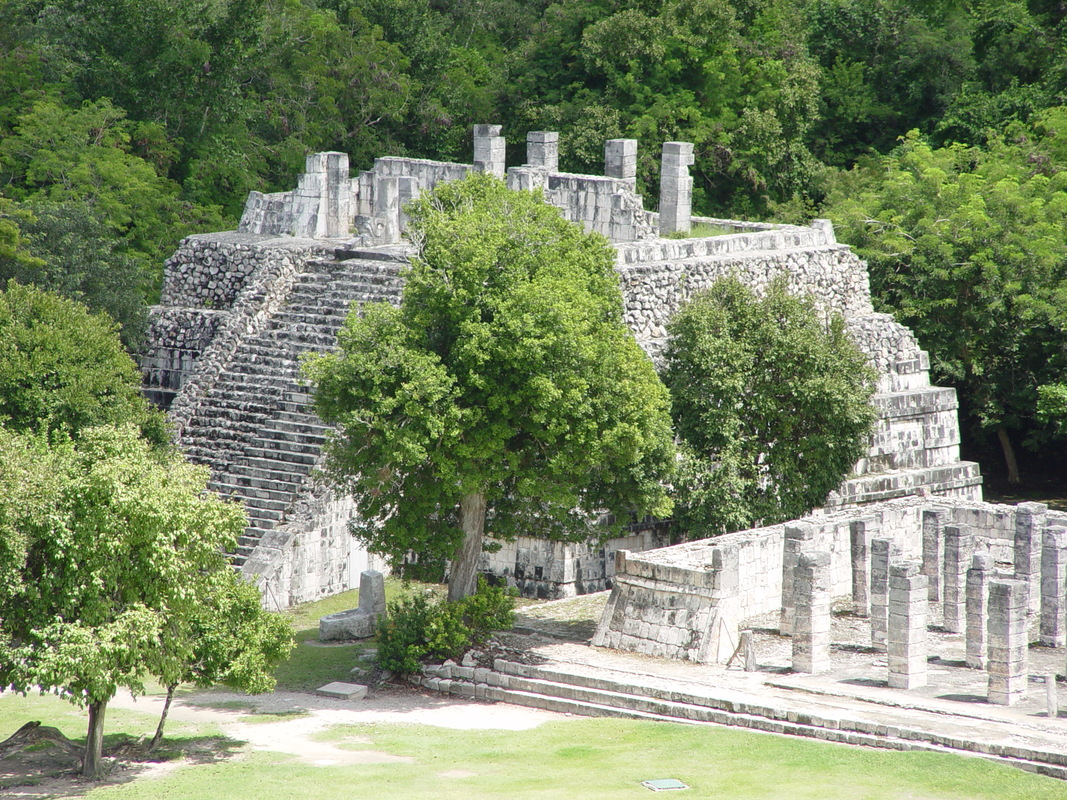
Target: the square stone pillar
pixel 958 546
pixel 1008 644
pixel 387 209
pixel 908 605
pixel 861 531
pixel 933 523
pixel 883 552
pixel 675 188
pixel 978 610
pixel 489 154
pixel 620 159
pixel 542 150
pixel 1053 584
pixel 1030 522
pixel 799 536
pixel 811 621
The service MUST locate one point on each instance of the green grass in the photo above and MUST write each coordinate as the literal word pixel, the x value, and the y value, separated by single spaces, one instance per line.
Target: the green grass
pixel 312 664
pixel 586 758
pixel 597 759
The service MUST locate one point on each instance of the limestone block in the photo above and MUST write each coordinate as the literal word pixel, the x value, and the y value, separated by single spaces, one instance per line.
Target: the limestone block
pixel 361 622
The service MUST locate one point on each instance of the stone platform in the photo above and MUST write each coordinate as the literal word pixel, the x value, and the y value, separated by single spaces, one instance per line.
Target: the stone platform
pixel 851 703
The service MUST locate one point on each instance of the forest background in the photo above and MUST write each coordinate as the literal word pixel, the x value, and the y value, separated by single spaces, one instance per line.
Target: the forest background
pixel 933 132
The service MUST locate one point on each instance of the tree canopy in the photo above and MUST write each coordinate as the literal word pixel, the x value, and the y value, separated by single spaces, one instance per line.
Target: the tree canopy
pixel 504 384
pixel 968 247
pixel 772 405
pixel 113 570
pixel 64 368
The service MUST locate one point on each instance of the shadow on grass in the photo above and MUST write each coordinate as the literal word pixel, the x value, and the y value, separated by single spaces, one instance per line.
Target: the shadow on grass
pixel 45 770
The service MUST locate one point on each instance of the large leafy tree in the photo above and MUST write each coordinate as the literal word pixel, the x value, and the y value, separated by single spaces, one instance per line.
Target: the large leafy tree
pixel 967 246
pixel 772 405
pixel 112 568
pixel 63 368
pixel 505 384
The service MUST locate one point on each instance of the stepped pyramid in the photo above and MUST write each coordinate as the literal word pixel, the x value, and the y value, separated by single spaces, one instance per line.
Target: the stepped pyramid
pixel 239 309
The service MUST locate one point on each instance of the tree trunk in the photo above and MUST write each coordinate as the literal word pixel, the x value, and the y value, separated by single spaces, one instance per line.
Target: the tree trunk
pixel 94 742
pixel 463 578
pixel 1009 455
pixel 162 719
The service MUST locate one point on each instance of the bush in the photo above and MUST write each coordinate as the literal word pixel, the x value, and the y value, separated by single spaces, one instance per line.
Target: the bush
pixel 419 627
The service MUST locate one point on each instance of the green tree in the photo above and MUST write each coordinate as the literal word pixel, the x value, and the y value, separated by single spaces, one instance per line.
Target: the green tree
pixel 225 637
pixel 506 379
pixel 772 405
pixel 109 547
pixel 968 248
pixel 75 255
pixel 63 368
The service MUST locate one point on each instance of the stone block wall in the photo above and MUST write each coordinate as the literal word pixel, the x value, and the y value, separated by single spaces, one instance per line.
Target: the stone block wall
pixel 750 563
pixel 550 570
pixel 312 555
pixel 319 206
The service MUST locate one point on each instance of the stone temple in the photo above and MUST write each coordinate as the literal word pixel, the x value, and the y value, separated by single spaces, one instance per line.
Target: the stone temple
pixel 240 308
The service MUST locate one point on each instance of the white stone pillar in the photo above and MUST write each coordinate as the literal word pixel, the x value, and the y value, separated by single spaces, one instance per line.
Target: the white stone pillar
pixel 542 150
pixel 811 620
pixel 908 605
pixel 489 150
pixel 675 188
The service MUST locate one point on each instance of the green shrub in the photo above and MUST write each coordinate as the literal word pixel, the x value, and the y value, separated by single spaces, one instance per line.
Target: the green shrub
pixel 419 627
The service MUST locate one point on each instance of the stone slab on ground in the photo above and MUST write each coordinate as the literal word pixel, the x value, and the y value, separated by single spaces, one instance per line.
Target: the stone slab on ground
pixel 343 691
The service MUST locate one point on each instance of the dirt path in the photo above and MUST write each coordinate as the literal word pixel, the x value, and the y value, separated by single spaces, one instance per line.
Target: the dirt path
pixel 293 733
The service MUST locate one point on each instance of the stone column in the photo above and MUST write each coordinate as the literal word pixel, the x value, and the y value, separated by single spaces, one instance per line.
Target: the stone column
pixel 959 542
pixel 882 554
pixel 675 188
pixel 811 621
pixel 1007 633
pixel 908 604
pixel 1053 583
pixel 978 610
pixel 1029 524
pixel 861 531
pixel 489 155
pixel 542 150
pixel 798 536
pixel 620 159
pixel 387 209
pixel 933 523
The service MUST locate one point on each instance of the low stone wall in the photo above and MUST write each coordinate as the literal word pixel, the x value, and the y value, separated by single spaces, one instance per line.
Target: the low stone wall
pixel 552 570
pixel 688 601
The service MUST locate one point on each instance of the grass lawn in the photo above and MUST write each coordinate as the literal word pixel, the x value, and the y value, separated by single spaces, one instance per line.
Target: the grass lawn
pixel 582 758
pixel 573 758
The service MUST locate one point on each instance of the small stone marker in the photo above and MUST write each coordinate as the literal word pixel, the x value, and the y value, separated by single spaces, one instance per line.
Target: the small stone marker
pixel 343 691
pixel 1052 701
pixel 663 784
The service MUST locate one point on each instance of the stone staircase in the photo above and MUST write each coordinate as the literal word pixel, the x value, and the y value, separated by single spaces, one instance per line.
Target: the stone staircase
pixel 256 428
pixel 777 707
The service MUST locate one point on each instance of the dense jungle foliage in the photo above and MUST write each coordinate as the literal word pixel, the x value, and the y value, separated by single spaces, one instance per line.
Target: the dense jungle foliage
pixel 931 131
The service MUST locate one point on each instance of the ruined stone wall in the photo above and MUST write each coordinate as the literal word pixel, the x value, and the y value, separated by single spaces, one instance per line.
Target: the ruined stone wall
pixel 550 570
pixel 667 277
pixel 312 555
pixel 257 294
pixel 746 571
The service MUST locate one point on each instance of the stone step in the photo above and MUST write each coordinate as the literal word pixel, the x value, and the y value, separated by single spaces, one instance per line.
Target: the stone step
pixel 246 492
pixel 266 441
pixel 601 695
pixel 277 466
